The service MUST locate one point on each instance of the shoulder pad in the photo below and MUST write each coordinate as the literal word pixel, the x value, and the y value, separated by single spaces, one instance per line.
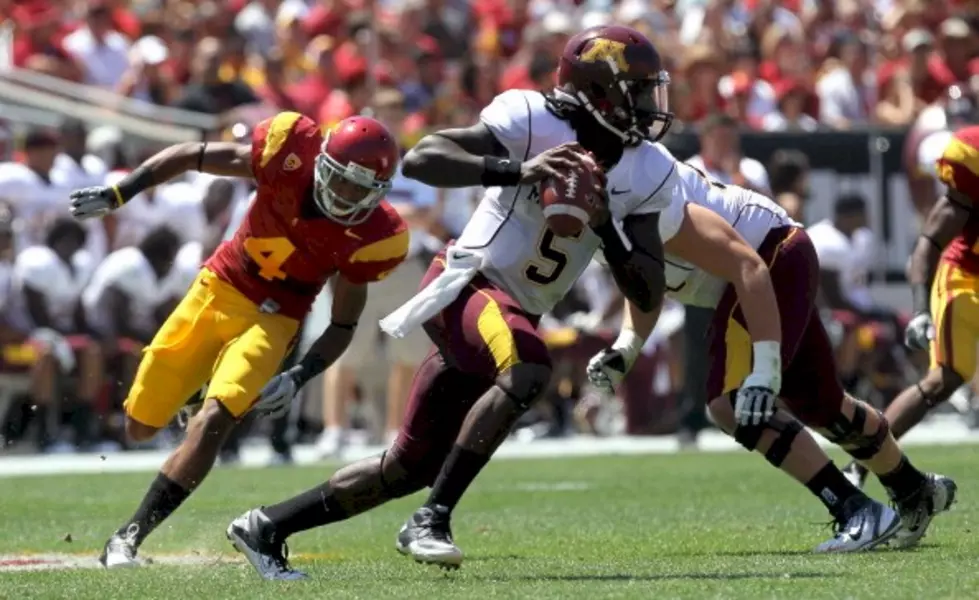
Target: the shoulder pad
pixel 38 267
pixel 273 138
pixel 958 168
pixel 384 250
pixel 521 122
pixel 654 178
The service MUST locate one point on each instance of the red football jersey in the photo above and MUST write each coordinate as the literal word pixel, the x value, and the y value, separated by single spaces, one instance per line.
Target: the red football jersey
pixel 285 250
pixel 958 168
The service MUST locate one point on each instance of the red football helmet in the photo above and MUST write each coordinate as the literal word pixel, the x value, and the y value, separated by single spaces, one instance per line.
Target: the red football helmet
pixel 616 74
pixel 358 158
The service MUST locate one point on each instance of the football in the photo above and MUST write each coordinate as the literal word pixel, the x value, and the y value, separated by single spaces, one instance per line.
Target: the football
pixel 570 201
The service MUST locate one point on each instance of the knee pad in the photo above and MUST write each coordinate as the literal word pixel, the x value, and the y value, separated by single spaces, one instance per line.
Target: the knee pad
pixel 786 432
pixel 848 433
pixel 782 445
pixel 523 383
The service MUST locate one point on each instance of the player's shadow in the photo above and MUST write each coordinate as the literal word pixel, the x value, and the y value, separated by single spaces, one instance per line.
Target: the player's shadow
pixel 625 577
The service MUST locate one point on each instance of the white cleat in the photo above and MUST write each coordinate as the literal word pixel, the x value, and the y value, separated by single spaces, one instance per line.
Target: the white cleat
pixel 427 538
pixel 253 535
pixel 869 525
pixel 917 511
pixel 120 551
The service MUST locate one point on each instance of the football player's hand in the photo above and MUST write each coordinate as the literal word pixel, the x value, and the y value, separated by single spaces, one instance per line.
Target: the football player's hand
pixel 607 368
pixel 92 202
pixel 754 403
pixel 554 162
pixel 277 395
pixel 920 332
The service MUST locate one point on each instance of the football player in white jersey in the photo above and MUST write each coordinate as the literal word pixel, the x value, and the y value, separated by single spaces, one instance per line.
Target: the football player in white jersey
pixel 121 298
pixel 485 294
pixel 737 252
pixel 47 284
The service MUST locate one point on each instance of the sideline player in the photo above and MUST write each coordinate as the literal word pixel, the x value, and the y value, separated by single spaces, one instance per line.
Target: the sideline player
pixel 944 275
pixel 738 253
pixel 318 215
pixel 507 268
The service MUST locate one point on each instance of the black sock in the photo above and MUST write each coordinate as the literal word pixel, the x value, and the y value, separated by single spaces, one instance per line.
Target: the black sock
pixel 832 489
pixel 41 417
pixel 163 497
pixel 904 480
pixel 458 471
pixel 313 508
pixel 81 423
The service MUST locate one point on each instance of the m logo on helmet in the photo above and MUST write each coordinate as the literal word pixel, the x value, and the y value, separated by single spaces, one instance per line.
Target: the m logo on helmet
pixel 608 51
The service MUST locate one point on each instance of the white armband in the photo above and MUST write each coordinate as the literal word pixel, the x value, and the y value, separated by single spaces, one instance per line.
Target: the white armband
pixel 767 363
pixel 629 345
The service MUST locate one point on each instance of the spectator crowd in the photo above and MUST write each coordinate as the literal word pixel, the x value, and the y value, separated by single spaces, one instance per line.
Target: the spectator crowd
pixel 418 65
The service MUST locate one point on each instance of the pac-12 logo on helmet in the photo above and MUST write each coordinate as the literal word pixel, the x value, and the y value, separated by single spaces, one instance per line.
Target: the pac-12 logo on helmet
pixel 616 74
pixel 353 171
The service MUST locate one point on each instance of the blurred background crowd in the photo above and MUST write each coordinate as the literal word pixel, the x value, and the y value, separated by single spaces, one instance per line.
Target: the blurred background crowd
pixel 216 67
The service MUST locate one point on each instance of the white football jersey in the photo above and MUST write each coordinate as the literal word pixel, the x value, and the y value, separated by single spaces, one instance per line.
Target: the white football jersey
pixel 39 268
pixel 128 271
pixel 186 266
pixel 176 205
pixel 852 258
pixel 35 202
pixel 522 256
pixel 749 213
pixel 71 175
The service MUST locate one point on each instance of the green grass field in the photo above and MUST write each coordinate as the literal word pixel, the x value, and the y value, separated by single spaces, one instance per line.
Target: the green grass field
pixel 665 526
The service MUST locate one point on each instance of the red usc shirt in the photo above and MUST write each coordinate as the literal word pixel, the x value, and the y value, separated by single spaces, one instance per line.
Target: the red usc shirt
pixel 284 250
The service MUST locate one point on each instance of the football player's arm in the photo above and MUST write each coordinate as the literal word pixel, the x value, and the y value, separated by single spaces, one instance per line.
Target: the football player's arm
pixel 455 157
pixel 231 159
pixel 710 243
pixel 634 253
pixel 944 222
pixel 348 304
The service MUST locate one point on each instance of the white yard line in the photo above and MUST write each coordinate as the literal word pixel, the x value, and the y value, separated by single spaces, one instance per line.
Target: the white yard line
pixel 941 430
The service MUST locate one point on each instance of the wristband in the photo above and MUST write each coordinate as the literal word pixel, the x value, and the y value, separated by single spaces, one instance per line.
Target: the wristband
pixel 140 179
pixel 615 244
pixel 767 362
pixel 200 157
pixel 500 172
pixel 629 345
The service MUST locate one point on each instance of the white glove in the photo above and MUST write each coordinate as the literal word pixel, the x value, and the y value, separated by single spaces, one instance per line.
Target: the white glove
pixel 277 396
pixel 92 202
pixel 920 332
pixel 609 367
pixel 755 401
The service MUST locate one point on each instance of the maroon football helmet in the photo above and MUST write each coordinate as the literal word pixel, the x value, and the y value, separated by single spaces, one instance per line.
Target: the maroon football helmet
pixel 358 158
pixel 615 73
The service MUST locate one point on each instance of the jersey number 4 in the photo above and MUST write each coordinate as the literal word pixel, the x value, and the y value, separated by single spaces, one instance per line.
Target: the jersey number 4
pixel 270 254
pixel 556 261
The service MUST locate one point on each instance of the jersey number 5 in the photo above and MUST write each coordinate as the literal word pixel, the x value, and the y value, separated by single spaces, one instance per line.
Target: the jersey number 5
pixel 557 260
pixel 270 254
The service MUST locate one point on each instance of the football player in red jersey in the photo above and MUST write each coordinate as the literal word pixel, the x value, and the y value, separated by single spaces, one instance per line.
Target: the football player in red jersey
pixel 318 214
pixel 944 275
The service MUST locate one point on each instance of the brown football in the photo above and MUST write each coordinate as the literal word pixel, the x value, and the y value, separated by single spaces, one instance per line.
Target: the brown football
pixel 570 201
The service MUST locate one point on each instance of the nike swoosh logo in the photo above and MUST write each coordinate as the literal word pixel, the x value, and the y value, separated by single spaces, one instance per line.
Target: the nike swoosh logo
pixel 616 192
pixel 351 234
